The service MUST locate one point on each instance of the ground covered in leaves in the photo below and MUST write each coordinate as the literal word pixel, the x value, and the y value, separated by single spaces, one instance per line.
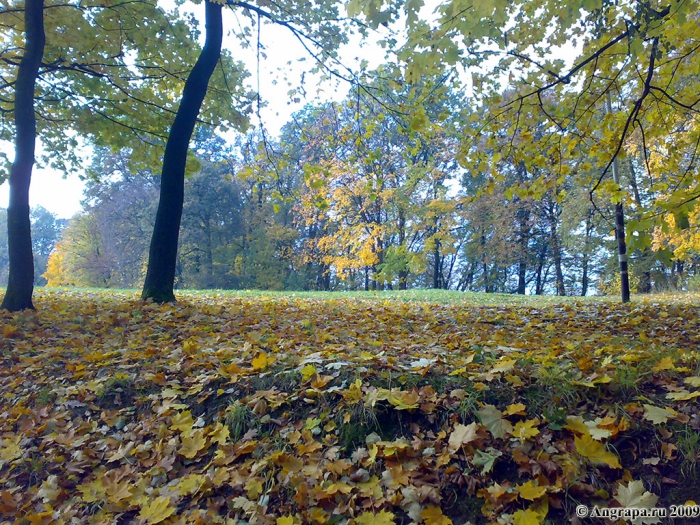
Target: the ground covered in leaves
pixel 225 409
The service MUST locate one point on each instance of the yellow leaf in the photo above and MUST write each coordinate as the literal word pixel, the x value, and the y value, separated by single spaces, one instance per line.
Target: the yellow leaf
pixel 288 520
pixel 9 330
pixel 504 365
pixel 433 516
pixel 93 491
pixel 262 361
pixel 526 429
pixel 9 448
pixel 515 409
pixel 190 484
pixel 576 425
pixel 403 400
pixel 192 443
pixel 683 395
pixel 383 518
pixel 157 510
pixel 308 372
pixel 182 421
pixel 353 393
pixel 254 488
pixel 692 381
pixel 595 451
pixel 220 434
pixel 530 490
pixel 665 364
pixel 526 517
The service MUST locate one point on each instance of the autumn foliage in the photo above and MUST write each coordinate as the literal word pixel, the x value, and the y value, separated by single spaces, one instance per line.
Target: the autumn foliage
pixel 283 410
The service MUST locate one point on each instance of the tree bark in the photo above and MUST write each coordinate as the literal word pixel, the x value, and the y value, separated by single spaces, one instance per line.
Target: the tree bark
pixel 20 285
pixel 162 255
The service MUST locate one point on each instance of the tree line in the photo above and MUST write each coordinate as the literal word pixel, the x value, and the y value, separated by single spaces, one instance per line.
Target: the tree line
pixel 509 180
pixel 348 198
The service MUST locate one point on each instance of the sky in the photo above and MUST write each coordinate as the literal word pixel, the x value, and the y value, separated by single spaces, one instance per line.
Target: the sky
pixel 63 195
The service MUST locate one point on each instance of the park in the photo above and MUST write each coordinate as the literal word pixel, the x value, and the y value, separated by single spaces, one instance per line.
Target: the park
pixel 457 285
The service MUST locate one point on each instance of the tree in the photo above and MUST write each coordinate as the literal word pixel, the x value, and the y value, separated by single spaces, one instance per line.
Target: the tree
pixel 310 24
pixel 162 256
pixel 639 53
pixel 20 284
pixel 107 76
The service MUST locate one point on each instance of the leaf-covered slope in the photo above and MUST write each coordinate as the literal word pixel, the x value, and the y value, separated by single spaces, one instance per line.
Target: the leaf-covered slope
pixel 225 410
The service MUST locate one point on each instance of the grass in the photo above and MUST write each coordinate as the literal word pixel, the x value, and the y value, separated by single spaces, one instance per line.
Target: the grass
pixel 421 295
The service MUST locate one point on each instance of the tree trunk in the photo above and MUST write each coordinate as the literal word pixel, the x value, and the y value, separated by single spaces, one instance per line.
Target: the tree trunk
pixel 437 274
pixel 162 255
pixel 523 217
pixel 20 284
pixel 622 252
pixel 541 259
pixel 620 228
pixel 522 268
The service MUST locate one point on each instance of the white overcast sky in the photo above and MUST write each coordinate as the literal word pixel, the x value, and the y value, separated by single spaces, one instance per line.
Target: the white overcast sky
pixel 62 196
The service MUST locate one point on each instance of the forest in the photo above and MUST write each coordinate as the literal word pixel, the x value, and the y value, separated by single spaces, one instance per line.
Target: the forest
pixel 436 298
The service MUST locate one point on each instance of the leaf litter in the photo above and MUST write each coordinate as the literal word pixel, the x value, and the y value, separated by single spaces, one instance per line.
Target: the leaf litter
pixel 224 409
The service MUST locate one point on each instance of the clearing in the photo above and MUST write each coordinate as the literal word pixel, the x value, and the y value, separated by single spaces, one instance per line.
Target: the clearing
pixel 366 408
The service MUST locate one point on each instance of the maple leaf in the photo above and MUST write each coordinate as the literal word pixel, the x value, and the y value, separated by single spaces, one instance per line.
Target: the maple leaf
pixel 220 434
pixel 288 520
pixel 49 489
pixel 433 515
pixel 492 419
pixel 486 459
pixel 658 415
pixel 683 395
pixel 262 361
pixel 461 435
pixel 535 515
pixel 9 330
pixel 182 421
pixel 369 518
pixel 525 430
pixel 192 443
pixel 190 484
pixel 634 495
pixel 515 409
pixel 692 381
pixel 595 451
pixel 93 491
pixel 9 448
pixel 531 491
pixel 157 510
pixel 117 492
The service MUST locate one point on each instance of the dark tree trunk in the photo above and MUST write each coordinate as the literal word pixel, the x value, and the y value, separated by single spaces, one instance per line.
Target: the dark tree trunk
pixel 622 252
pixel 20 284
pixel 523 217
pixel 541 259
pixel 522 268
pixel 162 256
pixel 437 273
